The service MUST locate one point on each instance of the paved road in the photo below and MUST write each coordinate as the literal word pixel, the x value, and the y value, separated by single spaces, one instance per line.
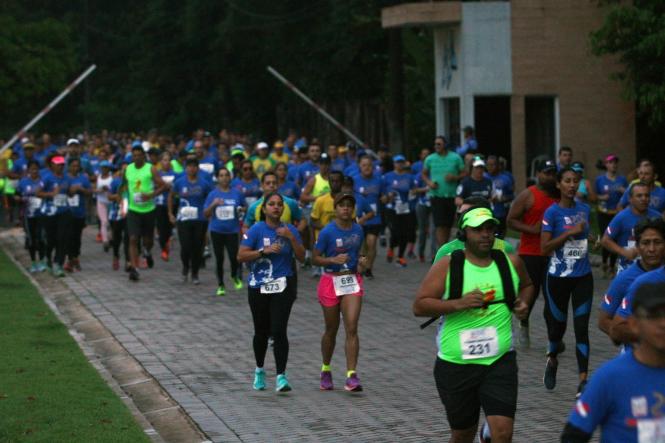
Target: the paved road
pixel 199 348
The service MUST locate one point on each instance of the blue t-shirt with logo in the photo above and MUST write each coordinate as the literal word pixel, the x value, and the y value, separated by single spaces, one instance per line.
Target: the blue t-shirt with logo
pixel 621 230
pixel 169 178
pixel 401 185
pixel 209 165
pixel 306 171
pixel 334 241
pixel 289 189
pixel 251 190
pixel 470 187
pixel 57 204
pixel 619 288
pixel 353 170
pixel 624 397
pixel 339 164
pixel 27 188
pixel 503 189
pixel 571 259
pixel 272 266
pixel 362 207
pixel 657 276
pixel 656 199
pixel 225 218
pixel 370 188
pixel 76 202
pixel 192 195
pixel 612 188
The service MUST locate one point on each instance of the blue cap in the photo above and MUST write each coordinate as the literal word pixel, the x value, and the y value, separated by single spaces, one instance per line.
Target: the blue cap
pixel 137 144
pixel 105 164
pixel 299 144
pixel 128 158
pixel 399 158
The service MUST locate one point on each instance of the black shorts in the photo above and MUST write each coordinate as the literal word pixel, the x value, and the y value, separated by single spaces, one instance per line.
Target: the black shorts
pixel 443 211
pixel 140 224
pixel 464 389
pixel 372 230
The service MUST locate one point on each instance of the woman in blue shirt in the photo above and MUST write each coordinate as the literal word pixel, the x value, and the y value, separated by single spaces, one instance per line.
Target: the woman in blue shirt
pixel 224 207
pixel 270 246
pixel 340 288
pixel 191 190
pixel 565 236
pixel 27 192
pixel 56 213
pixel 162 222
pixel 400 199
pixel 609 188
pixel 247 183
pixel 117 219
pixel 79 190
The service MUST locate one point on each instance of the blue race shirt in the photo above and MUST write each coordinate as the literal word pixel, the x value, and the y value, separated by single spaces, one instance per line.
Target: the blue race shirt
pixel 272 266
pixel 225 218
pixel 622 394
pixel 339 164
pixel 370 189
pixel 208 165
pixel 401 185
pixel 289 189
pixel 612 188
pixel 250 190
pixel 362 207
pixel 469 187
pixel 621 230
pixel 619 288
pixel 503 189
pixel 114 208
pixel 169 177
pixel 335 241
pixel 656 199
pixel 652 277
pixel 417 168
pixel 353 170
pixel 292 172
pixel 571 259
pixel 27 188
pixel 57 204
pixel 192 196
pixel 306 171
pixel 76 202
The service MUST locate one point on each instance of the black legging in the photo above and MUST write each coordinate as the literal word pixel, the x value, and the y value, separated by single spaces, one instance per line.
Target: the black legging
pixel 230 242
pixel 120 234
pixel 270 313
pixel 56 227
pixel 164 226
pixel 603 221
pixel 402 230
pixel 33 233
pixel 191 234
pixel 558 291
pixel 74 240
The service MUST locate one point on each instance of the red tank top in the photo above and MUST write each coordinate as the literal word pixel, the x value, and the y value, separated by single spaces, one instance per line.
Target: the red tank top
pixel 530 243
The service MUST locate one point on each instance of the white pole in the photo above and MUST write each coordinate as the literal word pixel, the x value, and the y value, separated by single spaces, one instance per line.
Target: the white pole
pixel 48 107
pixel 320 110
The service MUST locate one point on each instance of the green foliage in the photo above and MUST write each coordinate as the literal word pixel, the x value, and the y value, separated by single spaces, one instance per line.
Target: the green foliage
pixel 635 32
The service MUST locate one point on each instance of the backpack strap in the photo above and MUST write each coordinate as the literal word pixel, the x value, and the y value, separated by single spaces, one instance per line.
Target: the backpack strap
pixel 456 274
pixel 501 261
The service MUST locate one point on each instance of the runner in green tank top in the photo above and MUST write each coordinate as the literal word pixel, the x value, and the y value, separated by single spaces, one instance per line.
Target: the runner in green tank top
pixel 142 183
pixel 476 365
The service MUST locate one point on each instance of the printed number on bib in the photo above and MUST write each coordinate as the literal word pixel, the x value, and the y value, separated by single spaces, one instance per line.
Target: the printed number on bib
pixel 138 198
pixel 274 287
pixel 73 201
pixel 168 179
pixel 630 244
pixel 34 203
pixel 479 343
pixel 401 207
pixel 373 206
pixel 575 249
pixel 60 200
pixel 224 212
pixel 651 430
pixel 207 167
pixel 189 213
pixel 346 284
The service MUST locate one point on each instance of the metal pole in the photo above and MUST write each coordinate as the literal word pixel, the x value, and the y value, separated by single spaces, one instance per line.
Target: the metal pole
pixel 48 107
pixel 320 110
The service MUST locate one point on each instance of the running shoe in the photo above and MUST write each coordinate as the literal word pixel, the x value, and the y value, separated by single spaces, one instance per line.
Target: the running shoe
pixel 326 381
pixel 149 261
pixel 237 283
pixel 68 267
pixel 57 271
pixel 259 379
pixel 116 263
pixel 143 263
pixel 221 291
pixel 206 252
pixel 42 266
pixel 369 275
pixel 165 255
pixel 401 263
pixel 77 264
pixel 195 280
pixel 282 383
pixel 128 267
pixel 353 383
pixel 549 379
pixel 484 436
pixel 580 388
pixel 390 256
pixel 524 338
pixel 34 268
pixel 133 274
pixel 382 241
pixel 98 238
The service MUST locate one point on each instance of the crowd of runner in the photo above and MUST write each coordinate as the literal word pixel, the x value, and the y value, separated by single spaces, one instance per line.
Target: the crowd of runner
pixel 267 207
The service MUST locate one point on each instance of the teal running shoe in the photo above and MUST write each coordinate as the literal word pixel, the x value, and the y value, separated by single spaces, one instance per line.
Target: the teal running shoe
pixel 41 266
pixel 259 379
pixel 34 267
pixel 282 384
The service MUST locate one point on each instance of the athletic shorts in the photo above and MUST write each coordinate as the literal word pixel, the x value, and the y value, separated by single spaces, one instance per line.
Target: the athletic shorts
pixel 326 290
pixel 464 389
pixel 140 224
pixel 443 211
pixel 372 230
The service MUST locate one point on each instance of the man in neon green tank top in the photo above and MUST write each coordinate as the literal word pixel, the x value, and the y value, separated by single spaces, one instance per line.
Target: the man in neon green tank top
pixel 142 183
pixel 476 364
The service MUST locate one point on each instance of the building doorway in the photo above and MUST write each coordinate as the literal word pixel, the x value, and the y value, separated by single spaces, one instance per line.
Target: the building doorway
pixel 492 120
pixel 540 115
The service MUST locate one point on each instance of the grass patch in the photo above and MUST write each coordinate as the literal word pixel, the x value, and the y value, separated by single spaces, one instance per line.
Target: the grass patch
pixel 48 390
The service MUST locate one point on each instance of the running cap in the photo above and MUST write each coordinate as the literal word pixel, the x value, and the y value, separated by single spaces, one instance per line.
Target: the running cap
pixel 237 150
pixel 547 165
pixel 137 146
pixel 399 158
pixel 29 146
pixel 477 161
pixel 58 160
pixel 325 158
pixel 278 144
pixel 649 296
pixel 73 141
pixel 611 158
pixel 105 164
pixel 477 217
pixel 262 145
pixel 344 196
pixel 577 167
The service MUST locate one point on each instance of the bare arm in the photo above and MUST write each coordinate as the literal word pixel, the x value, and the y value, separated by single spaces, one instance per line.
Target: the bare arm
pixel 319 260
pixel 549 244
pixel 306 196
pixel 207 212
pixel 522 203
pixel 364 218
pixel 608 243
pixel 426 178
pixel 621 332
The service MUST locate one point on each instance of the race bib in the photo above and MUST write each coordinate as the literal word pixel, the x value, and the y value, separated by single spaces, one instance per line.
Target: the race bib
pixel 479 343
pixel 651 430
pixel 73 201
pixel 373 206
pixel 225 212
pixel 138 198
pixel 60 200
pixel 274 287
pixel 575 249
pixel 346 284
pixel 189 213
pixel 34 203
pixel 250 200
pixel 630 244
pixel 207 167
pixel 402 207
pixel 168 179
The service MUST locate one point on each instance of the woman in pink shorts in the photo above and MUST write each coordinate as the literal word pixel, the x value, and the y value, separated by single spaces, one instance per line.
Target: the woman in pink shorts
pixel 340 289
